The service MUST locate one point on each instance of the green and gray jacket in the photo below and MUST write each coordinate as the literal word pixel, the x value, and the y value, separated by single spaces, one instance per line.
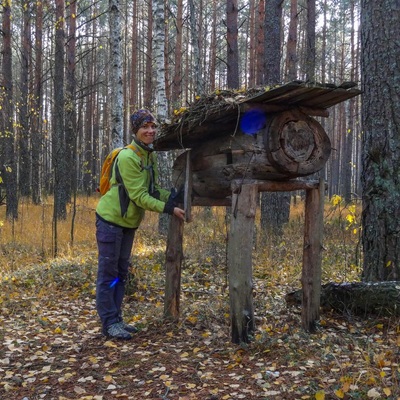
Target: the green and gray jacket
pixel 125 203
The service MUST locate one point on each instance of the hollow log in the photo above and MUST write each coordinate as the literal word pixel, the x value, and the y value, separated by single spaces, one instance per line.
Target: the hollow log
pixel 357 298
pixel 291 145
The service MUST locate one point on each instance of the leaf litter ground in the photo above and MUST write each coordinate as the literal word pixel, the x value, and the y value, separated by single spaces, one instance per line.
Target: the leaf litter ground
pixel 52 347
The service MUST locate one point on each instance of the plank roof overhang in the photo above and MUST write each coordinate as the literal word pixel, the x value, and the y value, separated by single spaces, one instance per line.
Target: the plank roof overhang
pixel 220 114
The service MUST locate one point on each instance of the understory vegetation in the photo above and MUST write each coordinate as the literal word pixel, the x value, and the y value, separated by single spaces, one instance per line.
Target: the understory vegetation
pixel 51 345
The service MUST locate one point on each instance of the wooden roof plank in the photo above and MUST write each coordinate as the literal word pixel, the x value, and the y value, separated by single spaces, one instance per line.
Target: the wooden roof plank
pixel 199 125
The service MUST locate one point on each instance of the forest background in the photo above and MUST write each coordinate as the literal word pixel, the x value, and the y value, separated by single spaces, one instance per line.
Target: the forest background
pixel 72 72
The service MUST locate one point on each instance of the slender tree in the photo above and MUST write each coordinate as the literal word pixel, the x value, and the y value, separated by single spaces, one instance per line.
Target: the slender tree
pixel 9 164
pixel 213 46
pixel 148 64
pixel 195 42
pixel 161 105
pixel 37 102
pixel 232 43
pixel 70 99
pixel 116 73
pixel 133 98
pixel 177 77
pixel 260 40
pixel 291 52
pixel 310 57
pixel 275 206
pixel 380 73
pixel 24 136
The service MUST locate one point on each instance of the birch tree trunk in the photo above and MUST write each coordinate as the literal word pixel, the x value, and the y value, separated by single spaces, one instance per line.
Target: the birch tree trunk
pixel 116 74
pixel 148 84
pixel 161 103
pixel 133 96
pixel 164 158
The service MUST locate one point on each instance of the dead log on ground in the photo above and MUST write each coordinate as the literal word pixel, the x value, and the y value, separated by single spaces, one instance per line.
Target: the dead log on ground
pixel 357 298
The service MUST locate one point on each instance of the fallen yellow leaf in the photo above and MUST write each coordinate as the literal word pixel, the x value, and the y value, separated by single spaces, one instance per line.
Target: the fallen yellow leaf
pixel 320 395
pixel 339 393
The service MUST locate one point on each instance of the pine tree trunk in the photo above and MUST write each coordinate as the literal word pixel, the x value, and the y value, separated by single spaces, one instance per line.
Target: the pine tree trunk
pixel 36 118
pixel 232 42
pixel 70 111
pixel 9 165
pixel 381 140
pixel 59 149
pixel 24 136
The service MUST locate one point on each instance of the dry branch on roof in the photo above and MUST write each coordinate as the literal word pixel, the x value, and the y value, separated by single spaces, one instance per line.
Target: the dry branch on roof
pixel 221 110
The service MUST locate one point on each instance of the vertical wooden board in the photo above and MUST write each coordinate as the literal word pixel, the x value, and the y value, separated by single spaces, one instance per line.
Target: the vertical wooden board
pixel 173 268
pixel 188 188
pixel 240 246
pixel 311 273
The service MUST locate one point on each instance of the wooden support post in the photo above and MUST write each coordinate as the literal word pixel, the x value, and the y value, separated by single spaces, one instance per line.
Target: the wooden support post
pixel 311 273
pixel 174 256
pixel 188 188
pixel 240 245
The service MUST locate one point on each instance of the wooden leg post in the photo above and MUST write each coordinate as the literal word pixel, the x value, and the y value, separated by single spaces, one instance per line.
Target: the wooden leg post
pixel 311 273
pixel 174 256
pixel 240 246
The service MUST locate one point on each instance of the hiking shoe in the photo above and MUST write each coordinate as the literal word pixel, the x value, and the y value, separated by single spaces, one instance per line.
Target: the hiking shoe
pixel 128 328
pixel 115 331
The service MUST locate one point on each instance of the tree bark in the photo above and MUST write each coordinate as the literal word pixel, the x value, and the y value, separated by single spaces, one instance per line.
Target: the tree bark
pixel 116 73
pixel 380 140
pixel 70 99
pixel 195 31
pixel 244 206
pixel 36 118
pixel 59 145
pixel 291 53
pixel 310 56
pixel 232 44
pixel 174 257
pixel 177 79
pixel 9 166
pixel 24 104
pixel 311 272
pixel 133 95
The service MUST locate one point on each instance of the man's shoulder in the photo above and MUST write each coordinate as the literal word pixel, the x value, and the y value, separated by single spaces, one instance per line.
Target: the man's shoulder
pixel 130 153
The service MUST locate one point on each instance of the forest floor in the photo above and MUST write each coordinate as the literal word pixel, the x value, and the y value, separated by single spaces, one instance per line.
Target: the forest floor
pixel 51 346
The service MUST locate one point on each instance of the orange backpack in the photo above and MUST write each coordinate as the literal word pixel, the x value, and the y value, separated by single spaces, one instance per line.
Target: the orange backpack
pixel 106 169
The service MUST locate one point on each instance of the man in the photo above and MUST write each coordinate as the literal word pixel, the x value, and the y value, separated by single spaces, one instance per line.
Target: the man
pixel 119 212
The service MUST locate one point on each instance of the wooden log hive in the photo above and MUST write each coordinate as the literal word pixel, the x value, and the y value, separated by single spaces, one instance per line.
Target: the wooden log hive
pixel 290 145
